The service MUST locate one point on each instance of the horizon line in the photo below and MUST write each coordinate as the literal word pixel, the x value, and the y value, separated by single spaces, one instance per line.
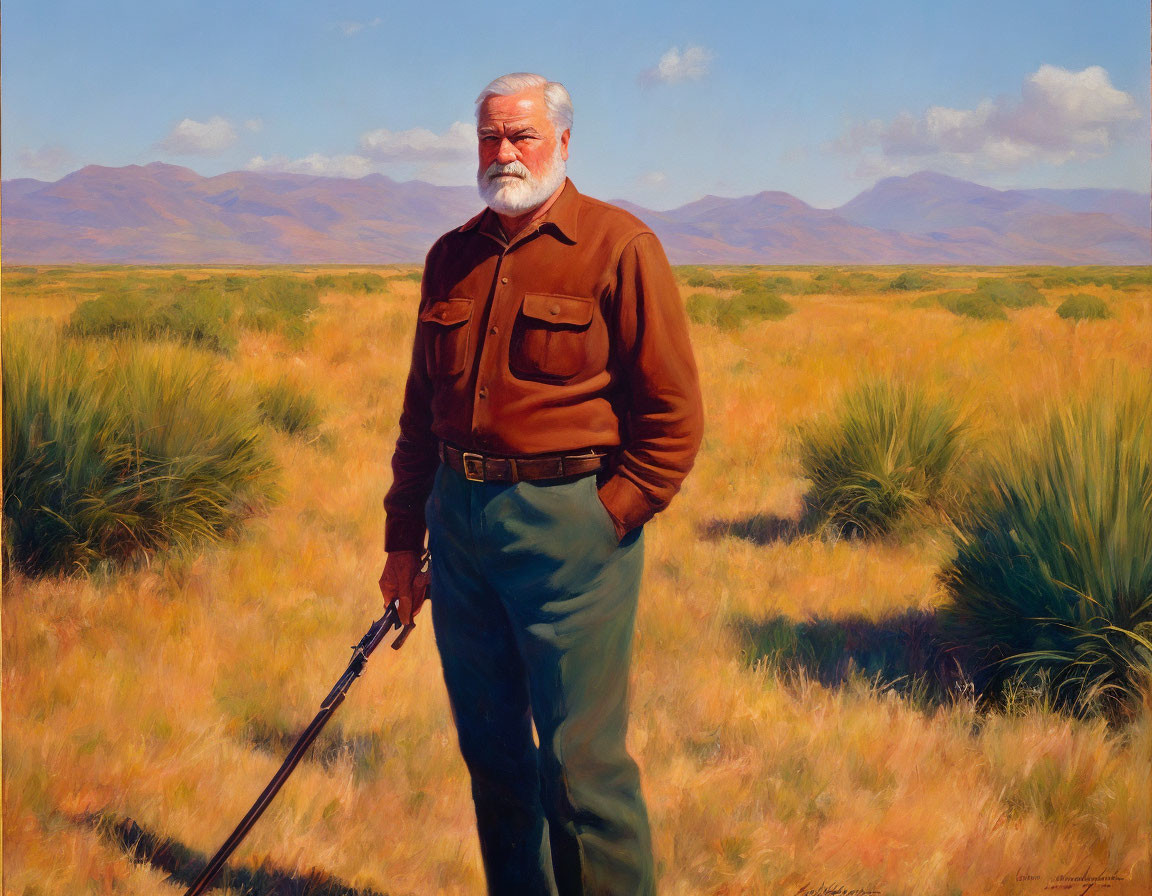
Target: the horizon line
pixel 701 198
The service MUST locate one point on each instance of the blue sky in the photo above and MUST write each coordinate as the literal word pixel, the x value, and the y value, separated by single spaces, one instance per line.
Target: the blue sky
pixel 673 100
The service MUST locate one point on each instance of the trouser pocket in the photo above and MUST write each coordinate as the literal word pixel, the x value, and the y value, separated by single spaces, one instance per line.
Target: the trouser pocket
pixel 607 524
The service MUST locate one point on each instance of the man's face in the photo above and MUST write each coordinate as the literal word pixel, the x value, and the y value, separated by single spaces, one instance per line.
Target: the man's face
pixel 522 159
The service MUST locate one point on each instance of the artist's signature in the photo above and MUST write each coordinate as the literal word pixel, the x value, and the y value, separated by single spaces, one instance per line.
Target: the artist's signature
pixel 1080 884
pixel 825 889
pixel 1083 884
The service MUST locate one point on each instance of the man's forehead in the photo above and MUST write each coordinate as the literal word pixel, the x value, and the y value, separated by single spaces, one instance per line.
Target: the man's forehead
pixel 525 108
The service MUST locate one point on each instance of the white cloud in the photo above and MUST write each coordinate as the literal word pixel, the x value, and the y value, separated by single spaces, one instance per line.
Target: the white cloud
pixel 199 138
pixel 1060 115
pixel 447 158
pixel 689 64
pixel 352 165
pixel 653 180
pixel 421 145
pixel 350 28
pixel 47 161
pixel 317 164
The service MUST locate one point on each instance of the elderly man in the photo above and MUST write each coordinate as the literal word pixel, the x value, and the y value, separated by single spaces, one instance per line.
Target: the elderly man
pixel 552 407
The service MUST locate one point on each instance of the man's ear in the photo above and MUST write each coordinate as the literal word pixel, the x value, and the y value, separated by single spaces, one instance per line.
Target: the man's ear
pixel 564 143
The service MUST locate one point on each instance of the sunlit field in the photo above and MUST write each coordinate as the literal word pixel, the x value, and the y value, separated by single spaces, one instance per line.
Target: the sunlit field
pixel 146 703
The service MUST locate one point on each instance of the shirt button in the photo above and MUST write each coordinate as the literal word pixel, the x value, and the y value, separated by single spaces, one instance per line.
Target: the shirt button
pixel 483 391
pixel 555 309
pixel 503 279
pixel 494 330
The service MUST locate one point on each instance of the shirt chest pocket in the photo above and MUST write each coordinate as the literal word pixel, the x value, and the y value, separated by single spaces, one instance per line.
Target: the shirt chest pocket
pixel 444 327
pixel 550 338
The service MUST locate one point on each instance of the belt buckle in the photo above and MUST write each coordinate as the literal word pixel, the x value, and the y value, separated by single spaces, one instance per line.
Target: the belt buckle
pixel 473 466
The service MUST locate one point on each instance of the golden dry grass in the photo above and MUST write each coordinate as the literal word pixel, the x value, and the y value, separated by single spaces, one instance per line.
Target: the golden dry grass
pixel 144 694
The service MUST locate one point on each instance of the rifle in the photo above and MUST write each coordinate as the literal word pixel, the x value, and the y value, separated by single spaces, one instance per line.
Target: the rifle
pixel 360 653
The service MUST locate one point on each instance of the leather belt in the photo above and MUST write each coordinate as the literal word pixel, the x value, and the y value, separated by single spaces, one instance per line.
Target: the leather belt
pixel 485 468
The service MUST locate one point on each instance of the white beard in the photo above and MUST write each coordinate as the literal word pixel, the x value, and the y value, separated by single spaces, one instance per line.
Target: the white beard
pixel 522 193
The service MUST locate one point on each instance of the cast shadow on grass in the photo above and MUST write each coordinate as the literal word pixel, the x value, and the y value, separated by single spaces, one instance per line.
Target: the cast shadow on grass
pixel 905 652
pixel 366 752
pixel 182 864
pixel 759 528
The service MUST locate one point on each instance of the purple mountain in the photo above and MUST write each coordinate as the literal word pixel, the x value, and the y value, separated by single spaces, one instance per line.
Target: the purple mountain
pixel 991 226
pixel 163 213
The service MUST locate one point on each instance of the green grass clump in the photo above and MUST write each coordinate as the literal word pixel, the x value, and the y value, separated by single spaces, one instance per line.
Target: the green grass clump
pixel 1122 278
pixel 207 313
pixel 355 282
pixel 279 303
pixel 913 281
pixel 410 277
pixel 698 277
pixel 122 452
pixel 1010 293
pixel 198 316
pixel 890 451
pixel 290 409
pixel 731 313
pixel 834 281
pixel 972 304
pixel 742 282
pixel 1081 306
pixel 987 300
pixel 1052 582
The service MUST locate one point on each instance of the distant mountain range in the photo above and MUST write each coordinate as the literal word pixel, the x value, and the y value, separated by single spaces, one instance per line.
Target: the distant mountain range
pixel 162 213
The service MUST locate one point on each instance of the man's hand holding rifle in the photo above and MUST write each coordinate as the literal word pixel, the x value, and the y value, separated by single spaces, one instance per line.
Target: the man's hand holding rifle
pixel 404 583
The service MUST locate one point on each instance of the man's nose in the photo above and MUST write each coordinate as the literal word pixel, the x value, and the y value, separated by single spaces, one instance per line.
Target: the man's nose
pixel 506 152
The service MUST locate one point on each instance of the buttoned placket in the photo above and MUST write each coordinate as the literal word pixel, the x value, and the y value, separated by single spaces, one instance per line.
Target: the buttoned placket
pixel 495 339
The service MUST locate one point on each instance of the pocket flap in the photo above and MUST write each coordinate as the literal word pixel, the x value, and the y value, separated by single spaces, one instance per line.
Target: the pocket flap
pixel 447 312
pixel 568 310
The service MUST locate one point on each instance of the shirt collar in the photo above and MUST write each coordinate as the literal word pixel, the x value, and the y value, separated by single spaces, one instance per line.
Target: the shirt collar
pixel 562 216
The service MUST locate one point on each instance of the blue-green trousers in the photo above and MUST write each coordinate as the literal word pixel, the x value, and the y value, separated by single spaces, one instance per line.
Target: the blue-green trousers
pixel 534 604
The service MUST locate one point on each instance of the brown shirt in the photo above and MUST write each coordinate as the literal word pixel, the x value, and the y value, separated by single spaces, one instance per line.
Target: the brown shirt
pixel 572 336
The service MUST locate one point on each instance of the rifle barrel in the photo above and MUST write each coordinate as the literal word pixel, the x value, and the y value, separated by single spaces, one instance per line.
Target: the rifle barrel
pixel 360 653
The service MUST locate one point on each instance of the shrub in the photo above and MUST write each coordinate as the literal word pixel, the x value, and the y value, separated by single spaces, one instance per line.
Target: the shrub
pixel 742 282
pixel 1082 306
pixel 195 315
pixel 783 284
pixel 732 313
pixel 1010 293
pixel 970 304
pixel 206 313
pixel 889 451
pixel 1133 278
pixel 1052 582
pixel 839 282
pixel 697 278
pixel 356 282
pixel 279 304
pixel 106 457
pixel 411 276
pixel 285 406
pixel 911 281
pixel 702 308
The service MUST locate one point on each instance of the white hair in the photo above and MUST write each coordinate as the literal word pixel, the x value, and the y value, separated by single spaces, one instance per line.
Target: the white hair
pixel 556 98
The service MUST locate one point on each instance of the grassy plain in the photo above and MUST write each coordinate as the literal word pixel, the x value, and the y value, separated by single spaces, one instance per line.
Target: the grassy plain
pixel 167 694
